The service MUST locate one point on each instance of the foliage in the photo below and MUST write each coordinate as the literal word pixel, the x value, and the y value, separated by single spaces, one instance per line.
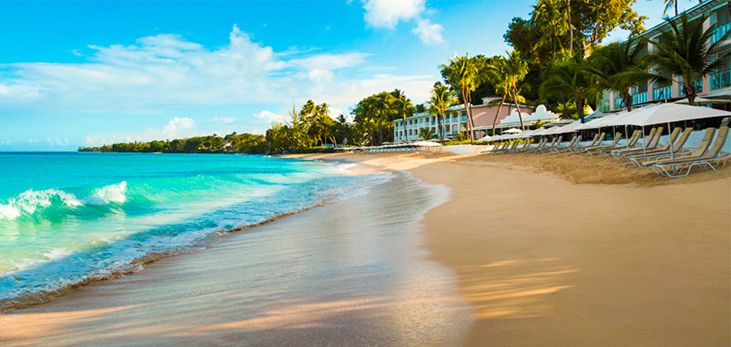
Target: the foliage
pixel 463 73
pixel 613 61
pixel 442 98
pixel 232 143
pixel 427 134
pixel 540 38
pixel 574 76
pixel 375 114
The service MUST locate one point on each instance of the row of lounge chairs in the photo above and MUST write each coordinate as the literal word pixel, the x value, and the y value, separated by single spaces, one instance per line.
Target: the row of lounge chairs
pixel 671 159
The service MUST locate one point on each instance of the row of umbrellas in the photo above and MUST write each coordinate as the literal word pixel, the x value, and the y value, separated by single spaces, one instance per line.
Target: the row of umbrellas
pixel 646 116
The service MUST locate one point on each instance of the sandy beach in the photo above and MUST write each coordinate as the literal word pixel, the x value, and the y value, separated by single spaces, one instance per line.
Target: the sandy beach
pixel 495 251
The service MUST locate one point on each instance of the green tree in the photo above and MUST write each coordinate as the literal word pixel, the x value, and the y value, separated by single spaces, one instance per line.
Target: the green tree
pixel 573 76
pixel 682 54
pixel 427 134
pixel 465 75
pixel 442 98
pixel 547 15
pixel 516 69
pixel 616 59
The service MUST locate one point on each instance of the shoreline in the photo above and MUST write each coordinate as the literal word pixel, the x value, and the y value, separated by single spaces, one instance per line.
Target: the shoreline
pixel 549 253
pixel 551 250
pixel 318 276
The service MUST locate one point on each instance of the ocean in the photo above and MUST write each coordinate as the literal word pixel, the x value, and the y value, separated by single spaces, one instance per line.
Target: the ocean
pixel 70 218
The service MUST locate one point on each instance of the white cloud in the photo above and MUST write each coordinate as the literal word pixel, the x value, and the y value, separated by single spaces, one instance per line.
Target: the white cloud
pixel 222 120
pixel 270 116
pixel 388 13
pixel 429 33
pixel 175 125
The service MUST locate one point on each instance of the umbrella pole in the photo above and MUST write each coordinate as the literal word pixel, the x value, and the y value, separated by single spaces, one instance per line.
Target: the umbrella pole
pixel 672 157
pixel 644 142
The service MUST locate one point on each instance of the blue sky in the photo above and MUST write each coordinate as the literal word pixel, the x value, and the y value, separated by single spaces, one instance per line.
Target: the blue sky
pixel 88 73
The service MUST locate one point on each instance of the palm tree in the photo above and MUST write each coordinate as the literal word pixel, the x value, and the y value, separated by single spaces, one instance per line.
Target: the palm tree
pixel 571 76
pixel 464 72
pixel 547 16
pixel 516 69
pixel 499 76
pixel 442 98
pixel 615 59
pixel 683 55
pixel 427 134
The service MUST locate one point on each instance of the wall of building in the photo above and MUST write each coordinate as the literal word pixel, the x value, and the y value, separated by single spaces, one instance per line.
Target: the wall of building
pixel 454 123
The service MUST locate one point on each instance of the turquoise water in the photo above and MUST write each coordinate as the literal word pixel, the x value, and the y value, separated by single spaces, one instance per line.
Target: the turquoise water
pixel 66 218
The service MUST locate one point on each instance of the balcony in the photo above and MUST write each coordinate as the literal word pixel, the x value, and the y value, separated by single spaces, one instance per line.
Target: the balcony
pixel 720 80
pixel 719 32
pixel 662 93
pixel 639 98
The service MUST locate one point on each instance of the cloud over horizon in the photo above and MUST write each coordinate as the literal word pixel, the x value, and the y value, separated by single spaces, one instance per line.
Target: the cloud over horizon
pixel 388 13
pixel 160 74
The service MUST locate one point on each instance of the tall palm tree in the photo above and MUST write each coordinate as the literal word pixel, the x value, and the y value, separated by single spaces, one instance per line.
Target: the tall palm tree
pixel 571 76
pixel 547 16
pixel 516 70
pixel 683 55
pixel 464 72
pixel 499 76
pixel 613 60
pixel 442 98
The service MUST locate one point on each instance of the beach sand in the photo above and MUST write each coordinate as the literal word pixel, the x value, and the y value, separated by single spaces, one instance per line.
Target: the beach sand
pixel 544 250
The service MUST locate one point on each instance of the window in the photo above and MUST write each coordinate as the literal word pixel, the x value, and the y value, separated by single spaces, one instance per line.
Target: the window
pixel 721 77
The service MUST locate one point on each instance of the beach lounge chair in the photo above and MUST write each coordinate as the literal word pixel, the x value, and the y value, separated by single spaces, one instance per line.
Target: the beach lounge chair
pixel 598 144
pixel 572 145
pixel 678 141
pixel 651 144
pixel 631 144
pixel 595 141
pixel 525 147
pixel 555 143
pixel 615 144
pixel 699 157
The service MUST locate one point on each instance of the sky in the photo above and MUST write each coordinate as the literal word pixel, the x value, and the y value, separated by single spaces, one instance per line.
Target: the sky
pixel 87 73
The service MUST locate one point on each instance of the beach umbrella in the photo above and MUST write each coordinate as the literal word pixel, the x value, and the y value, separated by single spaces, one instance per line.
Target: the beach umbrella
pixel 704 101
pixel 486 138
pixel 524 134
pixel 724 95
pixel 667 113
pixel 599 122
pixel 512 131
pixel 569 128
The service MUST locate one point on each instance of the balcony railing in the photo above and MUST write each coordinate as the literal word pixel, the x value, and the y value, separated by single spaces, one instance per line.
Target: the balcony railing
pixel 719 32
pixel 662 93
pixel 639 98
pixel 720 80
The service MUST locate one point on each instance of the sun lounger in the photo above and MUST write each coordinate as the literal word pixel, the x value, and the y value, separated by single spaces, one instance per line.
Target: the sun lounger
pixel 541 144
pixel 615 145
pixel 595 141
pixel 674 167
pixel 676 141
pixel 556 141
pixel 651 144
pixel 572 145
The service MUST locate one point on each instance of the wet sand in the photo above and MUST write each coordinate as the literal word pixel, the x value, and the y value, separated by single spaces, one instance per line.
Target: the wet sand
pixel 547 251
pixel 351 273
pixel 579 251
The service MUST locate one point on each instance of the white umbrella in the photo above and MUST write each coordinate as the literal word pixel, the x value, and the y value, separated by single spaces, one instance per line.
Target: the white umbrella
pixel 704 101
pixel 525 134
pixel 569 128
pixel 512 131
pixel 724 95
pixel 667 113
pixel 599 122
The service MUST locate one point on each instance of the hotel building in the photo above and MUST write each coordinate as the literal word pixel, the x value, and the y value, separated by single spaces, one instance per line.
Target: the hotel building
pixel 717 12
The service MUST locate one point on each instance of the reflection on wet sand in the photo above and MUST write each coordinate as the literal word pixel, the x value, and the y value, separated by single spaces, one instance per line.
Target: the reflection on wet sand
pixel 345 274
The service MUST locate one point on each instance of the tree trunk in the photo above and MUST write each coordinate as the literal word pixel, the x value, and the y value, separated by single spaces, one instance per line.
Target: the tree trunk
pixel 494 122
pixel 520 114
pixel 440 125
pixel 467 99
pixel 580 108
pixel 571 29
pixel 627 99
